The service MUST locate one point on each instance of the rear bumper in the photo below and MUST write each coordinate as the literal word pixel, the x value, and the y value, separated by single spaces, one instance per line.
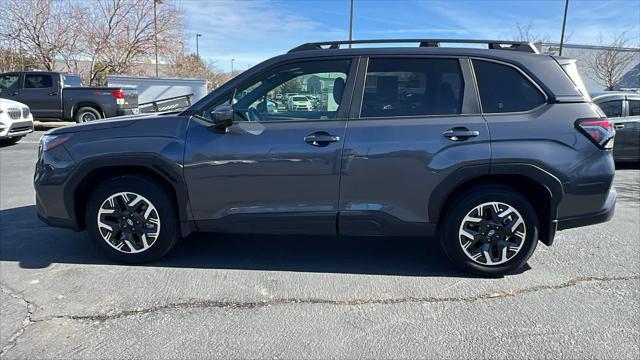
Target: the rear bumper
pixel 130 111
pixel 604 215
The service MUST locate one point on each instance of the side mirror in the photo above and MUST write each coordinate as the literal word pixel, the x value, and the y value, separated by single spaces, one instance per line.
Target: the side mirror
pixel 222 116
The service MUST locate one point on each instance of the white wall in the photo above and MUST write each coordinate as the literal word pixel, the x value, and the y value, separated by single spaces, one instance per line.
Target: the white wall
pixel 151 88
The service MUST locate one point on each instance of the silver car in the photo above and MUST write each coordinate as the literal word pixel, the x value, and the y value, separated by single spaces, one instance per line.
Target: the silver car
pixel 623 108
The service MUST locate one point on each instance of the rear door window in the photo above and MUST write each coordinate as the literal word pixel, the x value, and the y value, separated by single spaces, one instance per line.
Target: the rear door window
pixel 37 81
pixel 634 107
pixel 612 108
pixel 505 89
pixel 412 87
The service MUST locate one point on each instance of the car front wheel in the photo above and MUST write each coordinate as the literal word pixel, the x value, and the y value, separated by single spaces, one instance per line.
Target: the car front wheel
pixel 132 219
pixel 490 231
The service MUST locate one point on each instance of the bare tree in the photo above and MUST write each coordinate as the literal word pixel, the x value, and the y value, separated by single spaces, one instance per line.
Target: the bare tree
pixel 44 27
pixel 112 36
pixel 119 34
pixel 610 64
pixel 525 33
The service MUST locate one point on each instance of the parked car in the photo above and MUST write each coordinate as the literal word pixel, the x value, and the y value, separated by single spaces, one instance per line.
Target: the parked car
pixel 15 121
pixel 299 103
pixel 487 169
pixel 623 108
pixel 58 96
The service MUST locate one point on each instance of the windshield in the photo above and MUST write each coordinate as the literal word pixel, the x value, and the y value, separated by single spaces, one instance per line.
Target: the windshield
pixel 299 98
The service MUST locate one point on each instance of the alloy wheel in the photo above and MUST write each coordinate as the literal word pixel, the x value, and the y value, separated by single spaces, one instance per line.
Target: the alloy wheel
pixel 492 233
pixel 128 222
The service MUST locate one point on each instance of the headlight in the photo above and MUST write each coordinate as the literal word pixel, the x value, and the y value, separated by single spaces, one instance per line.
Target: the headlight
pixel 48 142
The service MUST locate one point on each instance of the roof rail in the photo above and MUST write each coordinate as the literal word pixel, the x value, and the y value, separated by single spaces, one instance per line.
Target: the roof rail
pixel 491 44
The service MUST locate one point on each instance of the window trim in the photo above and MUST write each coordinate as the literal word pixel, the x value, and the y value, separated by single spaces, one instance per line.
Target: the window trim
pixel 465 70
pixel 529 78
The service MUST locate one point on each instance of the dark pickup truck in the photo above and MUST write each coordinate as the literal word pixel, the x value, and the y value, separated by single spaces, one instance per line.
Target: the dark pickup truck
pixel 59 96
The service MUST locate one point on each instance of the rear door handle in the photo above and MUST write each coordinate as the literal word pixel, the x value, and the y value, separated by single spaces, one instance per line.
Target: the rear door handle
pixel 459 134
pixel 321 138
pixel 618 126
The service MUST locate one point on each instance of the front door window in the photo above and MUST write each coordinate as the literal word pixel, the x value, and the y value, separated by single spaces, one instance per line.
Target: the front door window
pixel 311 90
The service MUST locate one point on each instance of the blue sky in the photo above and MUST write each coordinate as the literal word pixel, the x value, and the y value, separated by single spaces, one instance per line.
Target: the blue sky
pixel 251 31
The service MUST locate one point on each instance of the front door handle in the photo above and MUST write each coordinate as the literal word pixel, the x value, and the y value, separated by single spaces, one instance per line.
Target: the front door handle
pixel 321 138
pixel 53 93
pixel 460 133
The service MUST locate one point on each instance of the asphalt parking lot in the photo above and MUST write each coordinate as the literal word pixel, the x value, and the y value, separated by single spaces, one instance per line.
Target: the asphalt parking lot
pixel 310 297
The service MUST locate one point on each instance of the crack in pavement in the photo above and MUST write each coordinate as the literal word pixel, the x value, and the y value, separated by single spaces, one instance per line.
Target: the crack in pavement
pixel 26 321
pixel 315 301
pixel 31 306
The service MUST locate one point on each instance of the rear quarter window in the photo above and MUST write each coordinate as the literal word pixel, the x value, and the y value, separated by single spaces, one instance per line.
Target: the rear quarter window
pixel 504 89
pixel 71 81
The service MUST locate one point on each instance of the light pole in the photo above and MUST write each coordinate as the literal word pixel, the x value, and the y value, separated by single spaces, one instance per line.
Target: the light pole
pixel 564 23
pixel 197 45
pixel 155 30
pixel 232 60
pixel 351 25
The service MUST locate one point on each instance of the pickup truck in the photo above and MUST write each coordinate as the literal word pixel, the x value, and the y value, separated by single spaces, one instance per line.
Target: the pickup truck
pixel 60 96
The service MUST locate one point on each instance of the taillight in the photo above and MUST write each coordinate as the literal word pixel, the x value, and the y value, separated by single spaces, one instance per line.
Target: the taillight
pixel 118 94
pixel 599 130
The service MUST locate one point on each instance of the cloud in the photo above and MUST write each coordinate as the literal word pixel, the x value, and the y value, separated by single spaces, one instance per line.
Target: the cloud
pixel 251 31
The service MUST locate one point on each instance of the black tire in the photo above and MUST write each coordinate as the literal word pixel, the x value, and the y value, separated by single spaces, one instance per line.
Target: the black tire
pixel 11 140
pixel 462 204
pixel 85 114
pixel 153 192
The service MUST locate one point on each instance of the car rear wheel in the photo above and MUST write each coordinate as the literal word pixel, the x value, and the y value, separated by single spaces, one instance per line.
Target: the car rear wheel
pixel 132 220
pixel 490 231
pixel 87 114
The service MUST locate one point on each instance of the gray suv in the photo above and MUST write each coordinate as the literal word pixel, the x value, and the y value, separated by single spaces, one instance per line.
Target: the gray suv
pixel 488 150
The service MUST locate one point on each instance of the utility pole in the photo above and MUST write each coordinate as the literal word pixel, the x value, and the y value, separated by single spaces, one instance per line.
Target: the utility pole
pixel 155 29
pixel 232 60
pixel 564 24
pixel 197 46
pixel 351 25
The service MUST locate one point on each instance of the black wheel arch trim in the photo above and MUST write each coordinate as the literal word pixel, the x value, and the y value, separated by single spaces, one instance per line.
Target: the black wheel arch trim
pixel 550 182
pixel 171 173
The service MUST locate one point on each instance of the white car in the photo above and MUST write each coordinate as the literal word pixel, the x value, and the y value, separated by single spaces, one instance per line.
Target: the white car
pixel 16 121
pixel 299 103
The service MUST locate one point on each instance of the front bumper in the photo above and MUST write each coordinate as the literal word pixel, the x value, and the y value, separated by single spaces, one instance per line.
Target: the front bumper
pixel 16 128
pixel 604 215
pixel 52 170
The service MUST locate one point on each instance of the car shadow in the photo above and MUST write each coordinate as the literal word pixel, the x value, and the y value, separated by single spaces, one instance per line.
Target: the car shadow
pixel 33 244
pixel 628 165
